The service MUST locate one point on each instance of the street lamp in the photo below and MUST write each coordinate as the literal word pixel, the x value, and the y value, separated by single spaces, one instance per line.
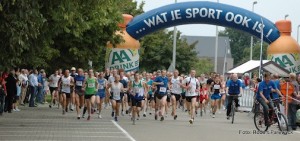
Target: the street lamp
pixel 251 47
pixel 174 47
pixel 216 47
pixel 285 16
pixel 298 33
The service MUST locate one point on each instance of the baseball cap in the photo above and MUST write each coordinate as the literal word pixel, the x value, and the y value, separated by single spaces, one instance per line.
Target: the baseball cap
pixel 73 69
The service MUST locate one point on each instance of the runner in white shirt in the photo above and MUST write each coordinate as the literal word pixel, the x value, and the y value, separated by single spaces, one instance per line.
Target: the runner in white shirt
pixel 176 91
pixel 116 88
pixel 191 84
pixel 66 82
pixel 53 84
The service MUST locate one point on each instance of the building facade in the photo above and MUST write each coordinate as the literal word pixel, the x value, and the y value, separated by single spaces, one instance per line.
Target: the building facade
pixel 205 48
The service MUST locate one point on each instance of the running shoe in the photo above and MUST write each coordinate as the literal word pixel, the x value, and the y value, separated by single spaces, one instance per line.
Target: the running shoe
pixel 89 118
pixel 155 117
pixel 175 117
pixel 112 114
pixel 78 117
pixel 116 118
pixel 133 121
pixel 144 115
pixel 127 112
pixel 99 116
pixel 191 121
pixel 162 118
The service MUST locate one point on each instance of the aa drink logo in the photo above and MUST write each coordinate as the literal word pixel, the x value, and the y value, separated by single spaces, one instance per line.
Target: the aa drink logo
pixel 288 61
pixel 127 59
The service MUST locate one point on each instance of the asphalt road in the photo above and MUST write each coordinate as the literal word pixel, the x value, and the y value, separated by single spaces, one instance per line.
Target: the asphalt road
pixel 43 123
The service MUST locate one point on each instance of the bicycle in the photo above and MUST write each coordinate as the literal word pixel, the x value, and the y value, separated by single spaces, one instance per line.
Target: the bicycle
pixel 233 106
pixel 276 117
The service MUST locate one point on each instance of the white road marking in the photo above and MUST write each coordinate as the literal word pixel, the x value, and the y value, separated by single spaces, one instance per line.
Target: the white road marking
pixel 96 132
pixel 67 136
pixel 297 132
pixel 123 130
pixel 60 128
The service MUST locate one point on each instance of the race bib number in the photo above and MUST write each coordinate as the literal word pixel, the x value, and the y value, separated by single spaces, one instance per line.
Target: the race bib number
pixel 217 86
pixel 78 83
pixel 163 89
pixel 91 85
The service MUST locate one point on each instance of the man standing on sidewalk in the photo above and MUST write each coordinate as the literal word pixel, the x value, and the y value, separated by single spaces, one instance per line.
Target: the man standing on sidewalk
pixel 40 89
pixel 24 83
pixel 33 82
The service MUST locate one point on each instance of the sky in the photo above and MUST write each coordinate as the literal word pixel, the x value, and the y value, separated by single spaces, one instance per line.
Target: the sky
pixel 273 10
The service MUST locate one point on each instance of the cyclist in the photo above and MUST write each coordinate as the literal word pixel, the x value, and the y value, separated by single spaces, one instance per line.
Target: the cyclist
pixel 233 88
pixel 263 96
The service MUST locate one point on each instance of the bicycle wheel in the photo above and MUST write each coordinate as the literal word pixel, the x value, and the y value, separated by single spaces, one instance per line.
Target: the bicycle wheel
pixel 282 122
pixel 232 112
pixel 259 121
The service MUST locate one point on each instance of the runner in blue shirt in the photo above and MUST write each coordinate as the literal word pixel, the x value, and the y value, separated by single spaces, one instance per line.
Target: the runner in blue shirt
pixel 263 96
pixel 234 87
pixel 161 83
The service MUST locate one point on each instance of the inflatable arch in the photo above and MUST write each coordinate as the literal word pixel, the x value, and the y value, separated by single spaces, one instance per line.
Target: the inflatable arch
pixel 126 55
pixel 202 13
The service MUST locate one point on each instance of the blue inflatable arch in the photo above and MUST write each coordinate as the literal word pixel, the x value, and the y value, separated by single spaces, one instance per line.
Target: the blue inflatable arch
pixel 202 13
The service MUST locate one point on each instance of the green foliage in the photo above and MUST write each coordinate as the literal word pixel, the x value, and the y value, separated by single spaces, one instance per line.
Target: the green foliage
pixel 157 48
pixel 52 34
pixel 240 43
pixel 203 65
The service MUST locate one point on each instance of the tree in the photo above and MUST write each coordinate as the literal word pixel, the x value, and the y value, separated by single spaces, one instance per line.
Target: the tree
pixel 240 44
pixel 203 65
pixel 52 34
pixel 157 48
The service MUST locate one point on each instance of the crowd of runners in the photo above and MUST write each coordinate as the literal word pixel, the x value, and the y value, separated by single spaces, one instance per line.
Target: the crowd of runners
pixel 135 94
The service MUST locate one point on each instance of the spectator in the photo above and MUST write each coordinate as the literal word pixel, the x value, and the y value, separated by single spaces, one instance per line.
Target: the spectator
pixel 24 83
pixel 33 82
pixel 16 98
pixel 46 87
pixel 11 89
pixel 292 106
pixel 246 80
pixel 40 89
pixel 2 99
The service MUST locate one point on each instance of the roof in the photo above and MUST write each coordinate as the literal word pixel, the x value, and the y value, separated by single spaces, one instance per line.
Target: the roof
pixel 268 65
pixel 205 46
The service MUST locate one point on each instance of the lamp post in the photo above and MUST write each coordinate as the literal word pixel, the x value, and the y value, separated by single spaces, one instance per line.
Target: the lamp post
pixel 251 46
pixel 174 46
pixel 285 16
pixel 216 47
pixel 225 58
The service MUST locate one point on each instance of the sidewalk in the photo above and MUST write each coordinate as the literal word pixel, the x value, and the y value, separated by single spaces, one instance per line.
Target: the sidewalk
pixel 43 123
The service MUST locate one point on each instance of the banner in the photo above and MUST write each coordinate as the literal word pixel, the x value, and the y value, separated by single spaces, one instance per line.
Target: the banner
pixel 205 13
pixel 289 61
pixel 127 59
